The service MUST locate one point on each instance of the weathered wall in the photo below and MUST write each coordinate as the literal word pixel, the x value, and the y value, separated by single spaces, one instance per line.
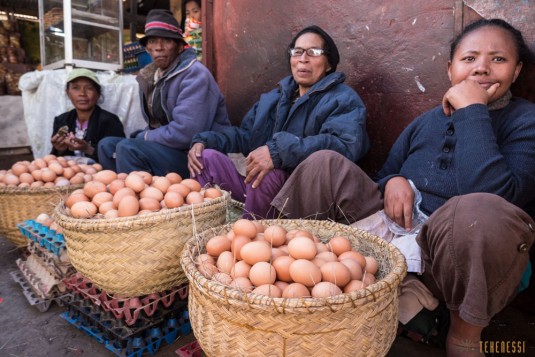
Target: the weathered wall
pixel 394 53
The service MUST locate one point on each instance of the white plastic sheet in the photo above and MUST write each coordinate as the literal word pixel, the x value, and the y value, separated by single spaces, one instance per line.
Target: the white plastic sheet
pixel 44 97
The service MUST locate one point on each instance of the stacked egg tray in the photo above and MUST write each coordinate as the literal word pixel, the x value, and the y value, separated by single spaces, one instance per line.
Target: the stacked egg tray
pixel 144 336
pixel 192 349
pixel 40 275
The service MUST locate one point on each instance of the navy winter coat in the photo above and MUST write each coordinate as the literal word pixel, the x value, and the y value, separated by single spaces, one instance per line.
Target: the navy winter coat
pixel 330 116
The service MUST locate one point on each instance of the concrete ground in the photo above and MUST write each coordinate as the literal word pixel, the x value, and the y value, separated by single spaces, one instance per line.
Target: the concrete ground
pixel 26 332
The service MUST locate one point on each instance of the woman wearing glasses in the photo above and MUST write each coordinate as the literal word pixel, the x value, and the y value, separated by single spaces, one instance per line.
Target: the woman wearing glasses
pixel 310 110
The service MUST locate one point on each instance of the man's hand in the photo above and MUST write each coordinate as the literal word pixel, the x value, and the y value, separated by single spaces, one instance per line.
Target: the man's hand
pixel 259 163
pixel 398 201
pixel 194 165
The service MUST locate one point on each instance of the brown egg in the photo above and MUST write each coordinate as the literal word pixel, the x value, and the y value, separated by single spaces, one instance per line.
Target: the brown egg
pixel 336 273
pixel 102 197
pixel 97 166
pixel 327 256
pixel 354 268
pixel 262 273
pixel 71 163
pixel 305 272
pixel 37 184
pixel 161 183
pixel 91 188
pixel 88 177
pixel 49 158
pixel 302 248
pixel 152 192
pixel 320 247
pixel 217 245
pixel 40 163
pixel 37 174
pixel 68 173
pixel 90 170
pixel 19 169
pixel 147 177
pixel 225 262
pixel 242 284
pixel 259 226
pixel 303 233
pixel 105 176
pixel 83 209
pixel 26 178
pixel 281 284
pixel 112 213
pixel 212 193
pixel 276 252
pixel 222 278
pixel 339 245
pixel 354 285
pixel 295 290
pixel 208 270
pixel 173 199
pixel 119 195
pixel 368 279
pixel 105 207
pixel 62 161
pixel 24 184
pixel 318 261
pixel 204 259
pixel 135 182
pixel 371 265
pixel 194 197
pixel 48 175
pixel 325 289
pixel 76 197
pixel 255 252
pixel 282 267
pixel 276 235
pixel 76 179
pixel 115 186
pixel 244 227
pixel 49 185
pixel 173 177
pixel 354 255
pixel 149 204
pixel 192 184
pixel 56 167
pixel 122 176
pixel 236 245
pixel 183 190
pixel 240 269
pixel 268 290
pixel 129 206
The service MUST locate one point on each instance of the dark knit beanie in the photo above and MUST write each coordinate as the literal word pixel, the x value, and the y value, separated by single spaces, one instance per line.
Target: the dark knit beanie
pixel 161 23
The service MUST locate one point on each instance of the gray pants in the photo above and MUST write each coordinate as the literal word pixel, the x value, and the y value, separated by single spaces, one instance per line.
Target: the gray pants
pixel 475 247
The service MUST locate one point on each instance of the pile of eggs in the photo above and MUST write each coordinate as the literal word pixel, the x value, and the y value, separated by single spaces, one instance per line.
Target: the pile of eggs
pixel 45 220
pixel 289 264
pixel 49 171
pixel 112 195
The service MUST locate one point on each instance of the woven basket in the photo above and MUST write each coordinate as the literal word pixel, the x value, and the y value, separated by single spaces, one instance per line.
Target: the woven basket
pixel 228 322
pixel 235 211
pixel 139 255
pixel 19 204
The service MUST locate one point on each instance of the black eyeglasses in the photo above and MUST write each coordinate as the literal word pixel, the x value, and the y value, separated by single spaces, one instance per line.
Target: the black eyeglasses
pixel 312 52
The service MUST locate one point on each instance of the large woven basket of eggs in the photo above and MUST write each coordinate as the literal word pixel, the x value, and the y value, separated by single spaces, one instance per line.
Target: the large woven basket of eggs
pixel 29 188
pixel 292 288
pixel 125 233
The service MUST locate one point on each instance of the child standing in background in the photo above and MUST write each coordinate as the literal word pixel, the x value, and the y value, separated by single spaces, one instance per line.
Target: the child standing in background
pixel 191 23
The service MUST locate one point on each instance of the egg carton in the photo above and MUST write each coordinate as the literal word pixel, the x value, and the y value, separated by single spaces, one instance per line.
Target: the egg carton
pixel 40 277
pixel 128 309
pixel 60 264
pixel 44 236
pixel 42 304
pixel 84 311
pixel 147 342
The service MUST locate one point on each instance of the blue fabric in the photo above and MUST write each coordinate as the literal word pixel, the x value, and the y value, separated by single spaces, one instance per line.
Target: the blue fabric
pixel 524 282
pixel 140 155
pixel 190 98
pixel 330 115
pixel 474 150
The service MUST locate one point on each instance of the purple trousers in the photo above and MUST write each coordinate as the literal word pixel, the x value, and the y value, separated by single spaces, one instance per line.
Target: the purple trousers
pixel 220 170
pixel 475 247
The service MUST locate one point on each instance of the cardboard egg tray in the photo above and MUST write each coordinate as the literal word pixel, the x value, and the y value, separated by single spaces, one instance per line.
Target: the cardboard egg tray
pixel 127 309
pixel 42 304
pixel 43 236
pixel 144 337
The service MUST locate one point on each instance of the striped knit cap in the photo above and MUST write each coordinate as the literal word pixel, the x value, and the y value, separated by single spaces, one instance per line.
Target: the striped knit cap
pixel 161 23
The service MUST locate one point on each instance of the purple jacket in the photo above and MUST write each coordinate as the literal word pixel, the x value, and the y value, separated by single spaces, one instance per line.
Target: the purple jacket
pixel 190 99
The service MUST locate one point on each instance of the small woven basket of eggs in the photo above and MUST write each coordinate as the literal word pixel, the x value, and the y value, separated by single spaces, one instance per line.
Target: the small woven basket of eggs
pixel 125 233
pixel 28 189
pixel 292 288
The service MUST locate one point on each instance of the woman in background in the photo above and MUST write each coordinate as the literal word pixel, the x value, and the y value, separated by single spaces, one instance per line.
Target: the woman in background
pixel 191 24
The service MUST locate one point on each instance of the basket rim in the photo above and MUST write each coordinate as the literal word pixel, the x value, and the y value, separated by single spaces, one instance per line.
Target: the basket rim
pixel 38 190
pixel 84 224
pixel 231 295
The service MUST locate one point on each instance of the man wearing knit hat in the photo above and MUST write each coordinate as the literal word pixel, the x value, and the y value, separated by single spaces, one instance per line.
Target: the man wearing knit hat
pixel 179 98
